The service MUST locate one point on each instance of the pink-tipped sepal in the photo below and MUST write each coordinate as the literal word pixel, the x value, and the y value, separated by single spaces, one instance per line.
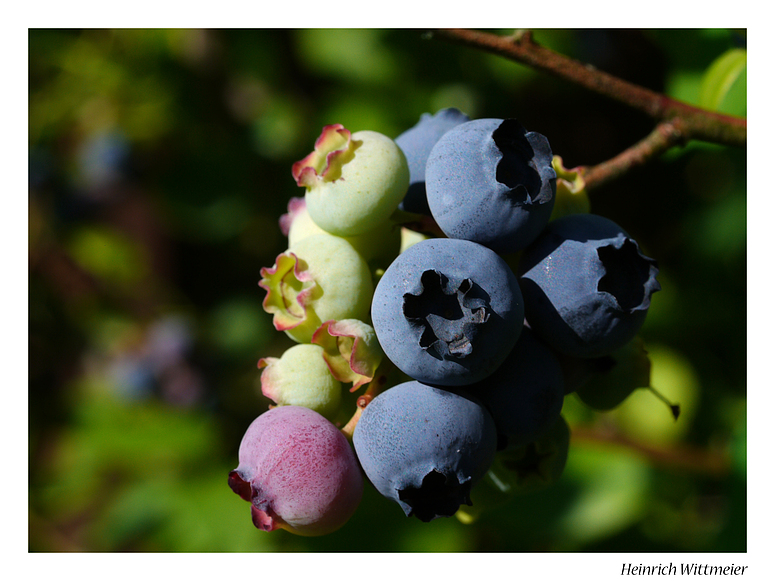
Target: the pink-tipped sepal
pixel 350 349
pixel 289 287
pixel 333 149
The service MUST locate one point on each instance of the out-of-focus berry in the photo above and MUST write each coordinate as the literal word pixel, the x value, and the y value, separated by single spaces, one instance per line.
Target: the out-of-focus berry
pixel 610 379
pixel 520 470
pixel 541 462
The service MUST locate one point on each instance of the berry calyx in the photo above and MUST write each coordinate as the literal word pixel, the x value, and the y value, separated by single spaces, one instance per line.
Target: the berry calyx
pixel 354 182
pixel 447 316
pixel 350 349
pixel 319 278
pixel 333 149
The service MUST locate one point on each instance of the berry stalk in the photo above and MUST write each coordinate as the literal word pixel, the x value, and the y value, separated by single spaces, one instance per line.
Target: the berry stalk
pixel 696 123
pixel 373 389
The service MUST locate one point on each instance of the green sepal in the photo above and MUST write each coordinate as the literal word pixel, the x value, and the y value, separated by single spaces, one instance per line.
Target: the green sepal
pixel 571 195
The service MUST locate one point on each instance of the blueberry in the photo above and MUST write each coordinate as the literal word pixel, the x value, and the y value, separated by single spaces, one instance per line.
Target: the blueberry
pixel 416 143
pixel 538 463
pixel 447 312
pixel 424 447
pixel 525 394
pixel 613 378
pixel 492 182
pixel 587 285
pixel 301 377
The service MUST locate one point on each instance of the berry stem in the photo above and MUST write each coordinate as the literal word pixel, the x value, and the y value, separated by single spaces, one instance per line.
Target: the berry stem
pixel 714 462
pixel 664 136
pixel 675 409
pixel 696 123
pixel 373 389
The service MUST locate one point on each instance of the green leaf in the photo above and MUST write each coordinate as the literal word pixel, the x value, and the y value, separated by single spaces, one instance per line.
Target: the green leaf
pixel 723 84
pixel 615 494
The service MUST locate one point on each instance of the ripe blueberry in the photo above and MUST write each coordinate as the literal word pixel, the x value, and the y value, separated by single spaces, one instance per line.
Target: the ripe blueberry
pixel 424 447
pixel 492 182
pixel 447 312
pixel 587 285
pixel 416 143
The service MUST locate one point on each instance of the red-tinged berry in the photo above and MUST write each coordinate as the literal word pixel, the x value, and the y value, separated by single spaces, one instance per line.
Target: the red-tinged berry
pixel 298 472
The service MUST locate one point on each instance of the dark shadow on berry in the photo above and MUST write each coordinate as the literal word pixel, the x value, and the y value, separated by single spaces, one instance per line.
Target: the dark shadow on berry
pixel 536 302
pixel 627 274
pixel 447 318
pixel 438 496
pixel 516 169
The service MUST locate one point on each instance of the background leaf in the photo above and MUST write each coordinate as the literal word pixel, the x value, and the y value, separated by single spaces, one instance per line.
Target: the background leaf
pixel 724 83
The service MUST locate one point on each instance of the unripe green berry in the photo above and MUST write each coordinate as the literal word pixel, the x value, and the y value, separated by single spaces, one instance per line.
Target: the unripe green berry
pixel 354 182
pixel 301 377
pixel 319 278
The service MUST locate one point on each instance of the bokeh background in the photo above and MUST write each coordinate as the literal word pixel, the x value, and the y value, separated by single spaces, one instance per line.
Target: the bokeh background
pixel 159 164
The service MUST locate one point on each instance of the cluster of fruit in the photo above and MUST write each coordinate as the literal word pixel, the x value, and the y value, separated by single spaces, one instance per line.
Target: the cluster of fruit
pixel 465 342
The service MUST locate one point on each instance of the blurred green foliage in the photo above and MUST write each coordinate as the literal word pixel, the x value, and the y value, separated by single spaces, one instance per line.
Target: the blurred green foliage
pixel 159 164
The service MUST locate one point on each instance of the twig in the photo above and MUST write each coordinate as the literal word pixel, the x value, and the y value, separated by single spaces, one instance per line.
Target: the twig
pixel 664 136
pixel 695 123
pixel 682 457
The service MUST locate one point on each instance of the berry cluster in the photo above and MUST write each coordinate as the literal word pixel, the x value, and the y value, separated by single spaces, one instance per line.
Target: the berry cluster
pixel 465 341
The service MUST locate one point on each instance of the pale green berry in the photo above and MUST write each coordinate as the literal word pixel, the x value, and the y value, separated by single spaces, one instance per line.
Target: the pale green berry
pixel 378 246
pixel 354 181
pixel 300 376
pixel 319 278
pixel 409 238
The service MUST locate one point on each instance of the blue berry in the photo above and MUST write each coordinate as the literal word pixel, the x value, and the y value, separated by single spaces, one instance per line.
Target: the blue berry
pixel 416 143
pixel 492 182
pixel 447 312
pixel 613 378
pixel 525 395
pixel 424 447
pixel 587 285
pixel 539 463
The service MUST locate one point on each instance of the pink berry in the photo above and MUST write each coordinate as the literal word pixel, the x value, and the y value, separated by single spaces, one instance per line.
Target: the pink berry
pixel 298 471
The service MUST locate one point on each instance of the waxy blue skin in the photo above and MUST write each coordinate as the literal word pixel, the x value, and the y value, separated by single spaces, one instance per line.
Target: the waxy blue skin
pixel 525 395
pixel 416 143
pixel 458 292
pixel 413 430
pixel 587 286
pixel 492 182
